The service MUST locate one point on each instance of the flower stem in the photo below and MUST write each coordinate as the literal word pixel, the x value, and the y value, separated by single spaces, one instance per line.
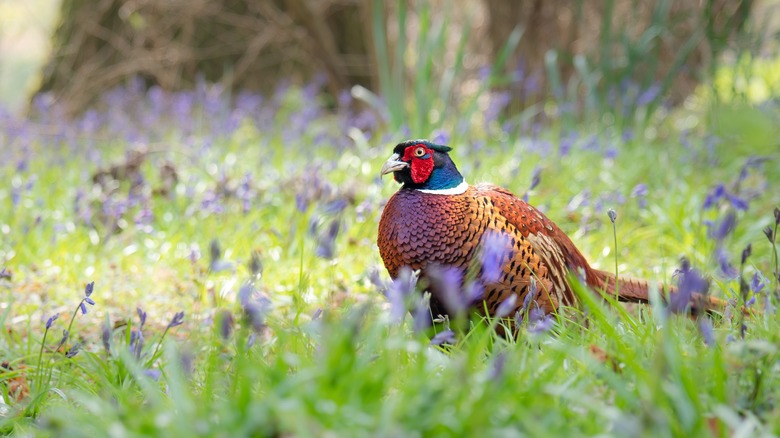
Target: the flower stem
pixel 617 283
pixel 39 379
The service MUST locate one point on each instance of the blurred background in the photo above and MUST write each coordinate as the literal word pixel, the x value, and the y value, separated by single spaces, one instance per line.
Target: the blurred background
pixel 422 58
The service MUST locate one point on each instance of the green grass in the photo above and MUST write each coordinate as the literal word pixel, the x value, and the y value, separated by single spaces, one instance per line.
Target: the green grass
pixel 352 371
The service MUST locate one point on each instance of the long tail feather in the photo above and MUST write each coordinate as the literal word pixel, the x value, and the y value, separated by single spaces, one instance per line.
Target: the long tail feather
pixel 634 290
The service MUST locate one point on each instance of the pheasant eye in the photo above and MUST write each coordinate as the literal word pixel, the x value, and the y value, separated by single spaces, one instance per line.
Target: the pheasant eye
pixel 419 152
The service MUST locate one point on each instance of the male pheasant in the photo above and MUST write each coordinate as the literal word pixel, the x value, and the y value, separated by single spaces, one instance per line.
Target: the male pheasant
pixel 437 219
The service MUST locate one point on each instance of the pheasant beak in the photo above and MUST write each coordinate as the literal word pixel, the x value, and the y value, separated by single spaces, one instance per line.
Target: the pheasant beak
pixel 393 164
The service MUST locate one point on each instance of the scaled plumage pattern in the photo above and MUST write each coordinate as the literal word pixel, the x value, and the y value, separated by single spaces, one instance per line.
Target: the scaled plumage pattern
pixel 437 219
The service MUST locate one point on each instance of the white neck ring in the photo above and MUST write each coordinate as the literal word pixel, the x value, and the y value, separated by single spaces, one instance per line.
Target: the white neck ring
pixel 457 190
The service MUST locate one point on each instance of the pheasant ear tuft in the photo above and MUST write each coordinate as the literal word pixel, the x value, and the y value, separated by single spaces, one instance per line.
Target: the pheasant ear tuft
pixel 440 148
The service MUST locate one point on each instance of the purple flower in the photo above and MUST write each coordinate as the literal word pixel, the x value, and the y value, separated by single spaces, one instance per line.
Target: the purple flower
pixel 4 274
pixel 51 320
pixel 73 350
pixel 737 202
pixel 136 343
pixel 65 335
pixel 497 366
pixel 326 241
pixel 648 96
pixel 444 337
pixel 496 248
pixel 689 282
pixel 714 196
pixel 445 284
pixel 566 142
pixel 535 178
pixel 612 215
pixel 507 306
pixel 707 332
pixel 421 315
pixel 441 137
pixel 88 290
pixel 724 226
pixel 336 206
pixel 153 374
pixel 400 289
pixel 726 268
pixel 539 322
pixel 640 192
pixel 225 324
pixel 141 316
pixel 105 334
pixel 757 284
pixel 178 319
pixel 255 311
pixel 83 308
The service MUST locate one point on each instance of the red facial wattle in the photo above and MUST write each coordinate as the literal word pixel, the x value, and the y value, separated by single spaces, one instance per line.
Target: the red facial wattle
pixel 421 165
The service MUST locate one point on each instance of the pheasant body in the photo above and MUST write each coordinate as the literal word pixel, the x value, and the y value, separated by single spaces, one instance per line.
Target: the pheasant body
pixel 436 219
pixel 422 229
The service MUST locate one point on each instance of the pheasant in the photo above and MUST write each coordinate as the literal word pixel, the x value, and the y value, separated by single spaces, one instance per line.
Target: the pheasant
pixel 436 219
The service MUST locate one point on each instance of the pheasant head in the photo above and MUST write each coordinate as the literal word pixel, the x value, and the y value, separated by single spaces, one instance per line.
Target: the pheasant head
pixel 425 166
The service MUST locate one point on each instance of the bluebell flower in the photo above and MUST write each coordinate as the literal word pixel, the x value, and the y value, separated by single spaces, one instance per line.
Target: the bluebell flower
pixel 400 289
pixel 335 206
pixel 475 293
pixel 496 249
pixel 724 226
pixel 136 343
pixel 640 193
pixel 73 350
pixel 737 202
pixel 757 283
pixel 444 337
pixel 63 340
pixel 497 366
pixel 714 196
pixel 153 374
pixel 446 282
pixel 83 307
pixel 539 322
pixel 689 282
pixel 536 177
pixel 105 336
pixel 225 324
pixel 88 290
pixel 707 332
pixel 726 268
pixel 441 136
pixel 178 319
pixel 51 320
pixel 507 306
pixel 326 241
pixel 648 95
pixel 612 215
pixel 421 315
pixel 141 317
